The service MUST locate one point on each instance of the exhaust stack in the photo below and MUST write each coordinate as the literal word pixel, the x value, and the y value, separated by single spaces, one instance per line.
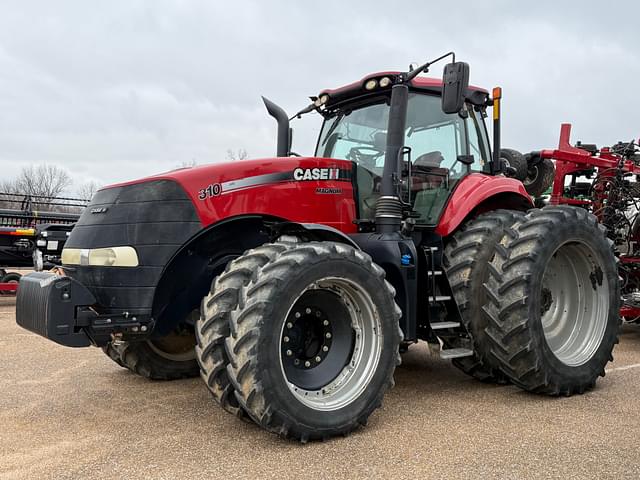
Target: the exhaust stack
pixel 284 132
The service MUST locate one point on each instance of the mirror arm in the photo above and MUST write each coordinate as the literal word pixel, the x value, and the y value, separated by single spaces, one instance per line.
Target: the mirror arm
pixel 425 67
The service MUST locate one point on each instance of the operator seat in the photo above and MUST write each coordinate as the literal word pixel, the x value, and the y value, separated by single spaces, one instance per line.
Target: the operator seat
pixel 427 181
pixel 368 182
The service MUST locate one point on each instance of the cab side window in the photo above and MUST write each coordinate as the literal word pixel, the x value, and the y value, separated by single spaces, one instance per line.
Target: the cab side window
pixel 478 146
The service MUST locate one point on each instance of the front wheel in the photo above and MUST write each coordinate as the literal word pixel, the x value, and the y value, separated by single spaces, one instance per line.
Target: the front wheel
pixel 314 341
pixel 554 299
pixel 171 357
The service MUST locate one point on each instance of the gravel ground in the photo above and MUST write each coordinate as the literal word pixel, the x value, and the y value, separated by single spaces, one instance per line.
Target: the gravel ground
pixel 73 413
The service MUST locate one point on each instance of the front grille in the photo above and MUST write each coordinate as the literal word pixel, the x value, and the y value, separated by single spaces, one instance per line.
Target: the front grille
pixel 156 218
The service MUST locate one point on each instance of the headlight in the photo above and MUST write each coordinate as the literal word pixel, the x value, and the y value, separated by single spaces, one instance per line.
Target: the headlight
pixel 371 84
pixel 385 81
pixel 101 257
pixel 321 100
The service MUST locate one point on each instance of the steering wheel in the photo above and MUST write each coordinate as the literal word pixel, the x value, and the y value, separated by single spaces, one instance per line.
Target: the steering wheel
pixel 366 155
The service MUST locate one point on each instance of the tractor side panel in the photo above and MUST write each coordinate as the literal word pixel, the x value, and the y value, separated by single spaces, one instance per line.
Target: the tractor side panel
pixel 474 190
pixel 299 189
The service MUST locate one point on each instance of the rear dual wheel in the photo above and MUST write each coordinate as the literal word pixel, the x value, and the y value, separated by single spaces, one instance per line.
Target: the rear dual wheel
pixel 313 342
pixel 553 301
pixel 466 261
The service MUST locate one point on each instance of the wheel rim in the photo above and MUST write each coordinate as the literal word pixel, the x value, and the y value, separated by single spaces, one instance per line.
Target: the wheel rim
pixel 330 344
pixel 177 346
pixel 532 175
pixel 574 303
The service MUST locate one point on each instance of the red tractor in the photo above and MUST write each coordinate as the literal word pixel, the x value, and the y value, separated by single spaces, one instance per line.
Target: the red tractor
pixel 292 284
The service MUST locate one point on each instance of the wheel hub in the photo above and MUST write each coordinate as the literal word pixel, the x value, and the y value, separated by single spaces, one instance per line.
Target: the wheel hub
pixel 308 338
pixel 330 343
pixel 316 340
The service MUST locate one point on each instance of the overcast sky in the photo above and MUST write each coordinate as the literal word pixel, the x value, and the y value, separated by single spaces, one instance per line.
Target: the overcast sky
pixel 121 89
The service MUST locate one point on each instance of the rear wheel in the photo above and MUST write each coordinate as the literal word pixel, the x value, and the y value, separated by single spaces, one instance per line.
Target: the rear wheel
pixel 166 358
pixel 554 299
pixel 314 341
pixel 466 260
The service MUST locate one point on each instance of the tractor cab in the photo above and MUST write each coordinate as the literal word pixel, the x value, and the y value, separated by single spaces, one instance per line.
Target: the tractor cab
pixel 438 150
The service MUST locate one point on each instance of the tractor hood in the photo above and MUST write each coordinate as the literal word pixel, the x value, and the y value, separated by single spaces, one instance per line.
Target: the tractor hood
pixel 268 186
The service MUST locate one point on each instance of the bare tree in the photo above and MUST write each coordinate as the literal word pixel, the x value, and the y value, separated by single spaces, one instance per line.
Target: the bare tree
pixel 87 190
pixel 46 181
pixel 240 154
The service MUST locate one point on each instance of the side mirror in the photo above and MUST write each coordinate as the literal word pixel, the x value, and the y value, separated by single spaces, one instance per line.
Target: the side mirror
pixel 455 81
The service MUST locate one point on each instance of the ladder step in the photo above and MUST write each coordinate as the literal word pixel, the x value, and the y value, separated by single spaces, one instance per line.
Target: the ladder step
pixel 455 353
pixel 434 272
pixel 439 298
pixel 442 325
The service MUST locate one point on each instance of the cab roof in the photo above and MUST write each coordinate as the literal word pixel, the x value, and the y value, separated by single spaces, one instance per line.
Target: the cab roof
pixel 475 95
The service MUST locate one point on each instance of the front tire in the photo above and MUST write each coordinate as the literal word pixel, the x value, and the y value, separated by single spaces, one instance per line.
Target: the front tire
pixel 167 358
pixel 554 299
pixel 314 341
pixel 213 327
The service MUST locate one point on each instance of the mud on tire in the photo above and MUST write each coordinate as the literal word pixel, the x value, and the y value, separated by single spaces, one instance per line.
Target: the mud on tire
pixel 314 341
pixel 466 259
pixel 554 299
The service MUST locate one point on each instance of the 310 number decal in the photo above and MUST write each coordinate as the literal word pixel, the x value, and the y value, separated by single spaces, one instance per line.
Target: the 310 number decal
pixel 209 191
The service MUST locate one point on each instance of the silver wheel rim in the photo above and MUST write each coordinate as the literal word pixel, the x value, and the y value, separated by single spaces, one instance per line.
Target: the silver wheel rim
pixel 575 303
pixel 365 355
pixel 532 175
pixel 180 350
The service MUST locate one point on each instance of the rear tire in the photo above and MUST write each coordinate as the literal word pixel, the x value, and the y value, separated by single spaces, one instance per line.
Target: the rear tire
pixel 554 299
pixel 314 341
pixel 466 260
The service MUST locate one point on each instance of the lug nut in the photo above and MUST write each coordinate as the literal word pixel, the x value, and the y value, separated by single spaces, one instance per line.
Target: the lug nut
pixel 296 362
pixel 318 359
pixel 326 323
pixel 325 348
pixel 328 335
pixel 289 353
pixel 285 339
pixel 308 310
pixel 307 364
pixel 289 325
pixel 317 313
pixel 297 315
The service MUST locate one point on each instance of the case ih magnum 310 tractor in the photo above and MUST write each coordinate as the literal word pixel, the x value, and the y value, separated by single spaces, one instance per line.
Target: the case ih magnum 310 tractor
pixel 292 284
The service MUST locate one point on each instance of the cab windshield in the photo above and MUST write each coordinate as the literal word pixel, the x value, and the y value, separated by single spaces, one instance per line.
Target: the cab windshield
pixel 436 140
